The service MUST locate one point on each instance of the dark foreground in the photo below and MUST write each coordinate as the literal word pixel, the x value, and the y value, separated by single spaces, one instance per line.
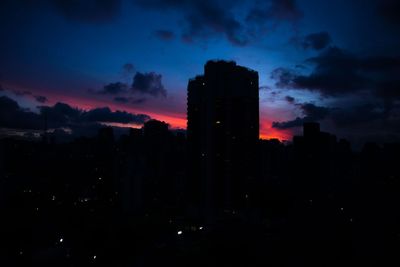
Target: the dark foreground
pixel 83 204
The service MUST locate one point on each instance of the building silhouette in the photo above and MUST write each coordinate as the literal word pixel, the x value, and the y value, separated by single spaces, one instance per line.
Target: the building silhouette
pixel 222 132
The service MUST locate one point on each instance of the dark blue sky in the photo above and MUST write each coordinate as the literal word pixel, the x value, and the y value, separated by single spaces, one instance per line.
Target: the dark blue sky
pixel 332 61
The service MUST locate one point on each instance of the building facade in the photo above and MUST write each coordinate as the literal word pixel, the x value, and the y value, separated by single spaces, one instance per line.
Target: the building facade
pixel 223 132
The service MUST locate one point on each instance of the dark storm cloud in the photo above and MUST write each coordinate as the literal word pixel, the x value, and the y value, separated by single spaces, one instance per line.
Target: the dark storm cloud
pixel 358 114
pixel 360 121
pixel 311 113
pixel 41 98
pixel 91 11
pixel 126 100
pixel 390 89
pixel 337 72
pixel 203 18
pixel 365 91
pixel 145 84
pixel 60 115
pixel 368 122
pixel 207 18
pixel 213 18
pixel 316 41
pixel 86 11
pixel 121 99
pixel 164 35
pixel 278 10
pixel 12 116
pixel 114 88
pixel 38 98
pixel 290 99
pixel 284 77
pixel 389 10
pixel 148 83
pixel 106 115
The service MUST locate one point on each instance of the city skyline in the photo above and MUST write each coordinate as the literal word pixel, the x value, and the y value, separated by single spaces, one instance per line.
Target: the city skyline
pixel 199 133
pixel 137 56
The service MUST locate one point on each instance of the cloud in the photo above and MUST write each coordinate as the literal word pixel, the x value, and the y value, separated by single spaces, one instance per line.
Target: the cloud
pixel 38 98
pixel 121 99
pixel 284 77
pixel 13 116
pixel 126 100
pixel 290 99
pixel 21 93
pixel 316 41
pixel 312 113
pixel 148 83
pixel 61 115
pixel 363 92
pixel 389 10
pixel 365 121
pixel 41 99
pixel 369 121
pixel 114 88
pixel 274 10
pixel 204 19
pixel 144 84
pixel 164 35
pixel 106 115
pixel 209 18
pixel 356 115
pixel 88 11
pixel 337 72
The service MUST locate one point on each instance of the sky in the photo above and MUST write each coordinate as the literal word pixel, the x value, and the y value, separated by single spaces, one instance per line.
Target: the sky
pixel 122 62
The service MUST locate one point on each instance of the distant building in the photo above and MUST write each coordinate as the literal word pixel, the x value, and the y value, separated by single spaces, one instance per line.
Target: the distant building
pixel 314 160
pixel 311 130
pixel 222 133
pixel 156 129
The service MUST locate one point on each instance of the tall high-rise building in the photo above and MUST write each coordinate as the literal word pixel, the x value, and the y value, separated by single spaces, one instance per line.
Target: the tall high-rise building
pixel 222 132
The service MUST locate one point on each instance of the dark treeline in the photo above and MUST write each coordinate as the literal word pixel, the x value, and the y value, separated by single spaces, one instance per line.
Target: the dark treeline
pixel 126 202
